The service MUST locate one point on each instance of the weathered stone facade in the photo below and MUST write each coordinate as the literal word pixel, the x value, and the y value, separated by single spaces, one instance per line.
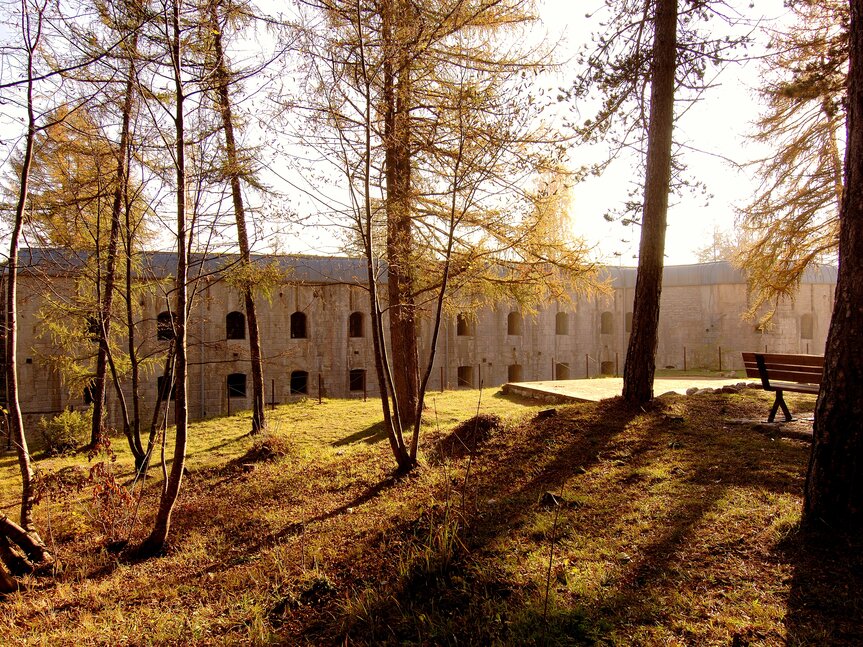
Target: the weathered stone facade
pixel 315 331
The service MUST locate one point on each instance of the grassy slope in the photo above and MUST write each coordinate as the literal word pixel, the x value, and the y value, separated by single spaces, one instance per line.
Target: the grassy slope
pixel 676 528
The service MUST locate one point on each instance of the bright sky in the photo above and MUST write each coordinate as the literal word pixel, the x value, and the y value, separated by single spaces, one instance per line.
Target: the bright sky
pixel 717 126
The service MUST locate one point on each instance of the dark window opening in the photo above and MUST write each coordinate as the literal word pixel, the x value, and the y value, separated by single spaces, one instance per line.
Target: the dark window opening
pixel 561 371
pixel 628 322
pixel 300 383
pixel 298 325
pixel 355 325
pixel 463 325
pixel 164 326
pixel 561 324
pixel 237 385
pixel 465 376
pixel 357 379
pixel 90 393
pixel 514 323
pixel 807 326
pixel 94 329
pixel 606 323
pixel 514 373
pixel 235 325
pixel 161 386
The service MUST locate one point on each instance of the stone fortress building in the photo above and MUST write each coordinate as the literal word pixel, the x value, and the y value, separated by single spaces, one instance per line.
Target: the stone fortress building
pixel 316 338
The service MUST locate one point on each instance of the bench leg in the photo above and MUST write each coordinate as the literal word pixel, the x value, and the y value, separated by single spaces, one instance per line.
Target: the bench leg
pixel 777 403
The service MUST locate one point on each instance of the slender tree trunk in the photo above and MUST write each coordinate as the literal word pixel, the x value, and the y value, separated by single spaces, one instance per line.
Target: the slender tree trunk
pixel 641 353
pixel 130 333
pixel 155 543
pixel 834 484
pixel 392 422
pixel 222 78
pixel 103 359
pixel 25 535
pixel 16 422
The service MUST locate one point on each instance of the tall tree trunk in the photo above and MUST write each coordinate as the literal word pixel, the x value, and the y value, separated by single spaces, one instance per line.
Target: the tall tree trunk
pixel 222 78
pixel 834 483
pixel 365 220
pixel 134 363
pixel 641 353
pixel 25 535
pixel 155 542
pixel 398 205
pixel 16 422
pixel 102 359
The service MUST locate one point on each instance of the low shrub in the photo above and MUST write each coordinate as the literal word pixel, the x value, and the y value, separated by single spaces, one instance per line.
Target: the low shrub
pixel 66 431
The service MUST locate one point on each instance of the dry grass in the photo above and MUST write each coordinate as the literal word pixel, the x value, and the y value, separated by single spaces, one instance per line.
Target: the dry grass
pixel 673 527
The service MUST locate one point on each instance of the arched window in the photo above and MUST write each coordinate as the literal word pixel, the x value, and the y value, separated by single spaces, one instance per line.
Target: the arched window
pixel 237 385
pixel 807 326
pixel 299 383
pixel 606 323
pixel 357 379
pixel 298 325
pixel 561 324
pixel 513 323
pixel 164 326
pixel 235 325
pixel 463 325
pixel 355 325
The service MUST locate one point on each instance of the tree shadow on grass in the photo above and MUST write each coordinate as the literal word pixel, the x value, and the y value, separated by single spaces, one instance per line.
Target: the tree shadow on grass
pixel 825 604
pixel 296 528
pixel 370 435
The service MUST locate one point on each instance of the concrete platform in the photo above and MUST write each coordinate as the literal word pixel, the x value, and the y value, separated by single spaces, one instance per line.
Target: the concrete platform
pixel 595 389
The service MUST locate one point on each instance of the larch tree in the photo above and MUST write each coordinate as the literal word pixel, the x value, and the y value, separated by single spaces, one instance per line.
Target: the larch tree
pixel 834 483
pixel 21 547
pixel 651 55
pixel 172 32
pixel 428 117
pixel 640 364
pixel 219 14
pixel 792 221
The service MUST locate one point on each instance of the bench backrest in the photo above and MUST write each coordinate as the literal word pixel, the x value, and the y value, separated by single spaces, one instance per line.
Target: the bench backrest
pixel 805 369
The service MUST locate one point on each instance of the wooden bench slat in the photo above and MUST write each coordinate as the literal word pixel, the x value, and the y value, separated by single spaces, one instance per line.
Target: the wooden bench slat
pixel 788 376
pixel 785 358
pixel 780 372
pixel 795 387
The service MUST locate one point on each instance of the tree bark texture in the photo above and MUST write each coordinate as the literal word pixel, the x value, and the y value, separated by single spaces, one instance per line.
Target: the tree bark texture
pixel 222 78
pixel 640 363
pixel 155 542
pixel 398 204
pixel 834 484
pixel 16 421
pixel 106 306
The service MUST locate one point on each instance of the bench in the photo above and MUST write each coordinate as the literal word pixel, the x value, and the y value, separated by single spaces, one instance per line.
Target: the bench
pixel 782 372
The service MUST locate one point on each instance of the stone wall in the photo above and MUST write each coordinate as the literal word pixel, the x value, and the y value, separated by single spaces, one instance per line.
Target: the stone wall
pixel 702 320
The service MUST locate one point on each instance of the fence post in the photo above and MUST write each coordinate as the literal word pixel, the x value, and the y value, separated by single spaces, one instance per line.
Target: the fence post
pixel 273 395
pixel 684 358
pixel 720 359
pixel 616 364
pixel 320 389
pixel 586 365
